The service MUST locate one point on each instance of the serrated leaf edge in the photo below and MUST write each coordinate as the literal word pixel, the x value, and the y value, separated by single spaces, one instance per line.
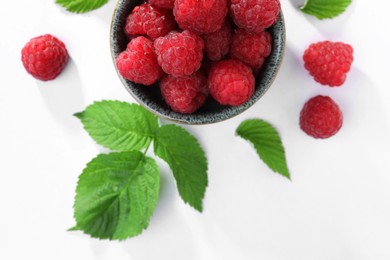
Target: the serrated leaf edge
pixel 77 228
pixel 248 141
pixel 200 209
pixel 303 9
pixel 80 10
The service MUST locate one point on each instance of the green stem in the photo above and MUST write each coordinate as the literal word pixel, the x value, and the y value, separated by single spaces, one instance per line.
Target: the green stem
pixel 147 148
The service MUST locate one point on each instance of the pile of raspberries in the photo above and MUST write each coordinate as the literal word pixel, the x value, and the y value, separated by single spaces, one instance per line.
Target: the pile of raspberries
pixel 194 48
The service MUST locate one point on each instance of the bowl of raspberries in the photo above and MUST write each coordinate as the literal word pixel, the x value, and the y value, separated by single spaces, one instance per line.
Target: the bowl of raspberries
pixel 197 61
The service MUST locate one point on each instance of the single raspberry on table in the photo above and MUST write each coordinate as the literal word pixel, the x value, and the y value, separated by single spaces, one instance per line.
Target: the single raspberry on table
pixel 254 15
pixel 151 21
pixel 231 82
pixel 321 117
pixel 44 57
pixel 167 4
pixel 185 94
pixel 179 54
pixel 251 48
pixel 138 62
pixel 200 16
pixel 217 44
pixel 329 62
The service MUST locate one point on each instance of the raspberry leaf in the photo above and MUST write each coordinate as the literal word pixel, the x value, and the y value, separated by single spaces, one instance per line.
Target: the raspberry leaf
pixel 119 125
pixel 81 6
pixel 267 143
pixel 116 195
pixel 325 8
pixel 187 161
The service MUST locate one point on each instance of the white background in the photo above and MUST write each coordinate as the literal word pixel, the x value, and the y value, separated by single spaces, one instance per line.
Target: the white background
pixel 337 206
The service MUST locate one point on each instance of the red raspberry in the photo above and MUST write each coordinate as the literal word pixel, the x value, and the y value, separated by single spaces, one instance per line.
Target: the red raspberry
pixel 321 117
pixel 231 82
pixel 179 54
pixel 151 21
pixel 138 62
pixel 200 16
pixel 254 15
pixel 217 44
pixel 185 94
pixel 250 48
pixel 44 57
pixel 329 62
pixel 168 4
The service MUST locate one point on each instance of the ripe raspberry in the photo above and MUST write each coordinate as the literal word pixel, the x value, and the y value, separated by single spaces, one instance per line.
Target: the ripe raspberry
pixel 200 16
pixel 329 62
pixel 138 62
pixel 231 82
pixel 168 4
pixel 250 48
pixel 321 117
pixel 44 57
pixel 185 94
pixel 151 21
pixel 179 54
pixel 217 44
pixel 254 15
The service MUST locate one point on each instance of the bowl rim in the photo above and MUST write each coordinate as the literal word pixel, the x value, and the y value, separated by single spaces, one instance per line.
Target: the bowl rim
pixel 197 122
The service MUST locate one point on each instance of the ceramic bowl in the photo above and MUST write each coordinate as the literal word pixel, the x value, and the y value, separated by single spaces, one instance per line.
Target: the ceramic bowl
pixel 212 112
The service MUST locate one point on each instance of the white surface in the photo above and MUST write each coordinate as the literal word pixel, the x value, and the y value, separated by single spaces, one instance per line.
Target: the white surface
pixel 337 206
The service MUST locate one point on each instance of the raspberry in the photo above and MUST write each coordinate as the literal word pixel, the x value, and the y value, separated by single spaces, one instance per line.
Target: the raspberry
pixel 217 44
pixel 185 94
pixel 254 15
pixel 200 16
pixel 168 4
pixel 231 82
pixel 179 54
pixel 329 62
pixel 138 62
pixel 44 57
pixel 151 21
pixel 321 117
pixel 251 48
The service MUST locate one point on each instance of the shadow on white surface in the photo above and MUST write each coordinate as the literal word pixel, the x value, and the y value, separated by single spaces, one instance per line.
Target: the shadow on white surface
pixel 168 235
pixel 105 13
pixel 298 3
pixel 331 29
pixel 64 97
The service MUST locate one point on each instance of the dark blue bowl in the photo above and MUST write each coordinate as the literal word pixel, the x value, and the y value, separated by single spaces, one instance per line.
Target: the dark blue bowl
pixel 212 112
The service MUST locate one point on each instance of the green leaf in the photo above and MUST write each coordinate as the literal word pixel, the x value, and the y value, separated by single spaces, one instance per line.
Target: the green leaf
pixel 81 6
pixel 119 125
pixel 187 161
pixel 116 195
pixel 267 143
pixel 325 8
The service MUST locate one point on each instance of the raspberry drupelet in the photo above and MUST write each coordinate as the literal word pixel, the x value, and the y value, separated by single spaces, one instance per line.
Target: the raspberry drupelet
pixel 138 62
pixel 179 54
pixel 44 57
pixel 200 16
pixel 251 48
pixel 254 15
pixel 149 21
pixel 185 94
pixel 329 62
pixel 168 4
pixel 321 117
pixel 217 44
pixel 231 82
